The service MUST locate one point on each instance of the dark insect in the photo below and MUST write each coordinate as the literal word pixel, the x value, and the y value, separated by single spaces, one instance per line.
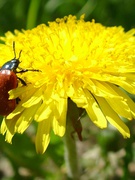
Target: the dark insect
pixel 8 81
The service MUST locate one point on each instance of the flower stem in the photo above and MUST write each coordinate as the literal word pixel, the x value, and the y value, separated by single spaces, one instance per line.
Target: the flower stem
pixel 71 158
pixel 32 13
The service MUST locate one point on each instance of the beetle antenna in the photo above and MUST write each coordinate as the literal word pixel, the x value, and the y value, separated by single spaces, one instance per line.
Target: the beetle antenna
pixel 14 49
pixel 15 52
pixel 19 54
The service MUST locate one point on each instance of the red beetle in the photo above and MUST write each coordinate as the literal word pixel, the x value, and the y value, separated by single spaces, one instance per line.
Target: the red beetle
pixel 8 81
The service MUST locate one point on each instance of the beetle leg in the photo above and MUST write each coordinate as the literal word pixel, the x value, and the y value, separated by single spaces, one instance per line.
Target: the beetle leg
pixel 22 81
pixel 26 70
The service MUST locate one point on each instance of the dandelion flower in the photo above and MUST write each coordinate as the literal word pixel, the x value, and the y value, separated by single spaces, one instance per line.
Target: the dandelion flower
pixel 86 62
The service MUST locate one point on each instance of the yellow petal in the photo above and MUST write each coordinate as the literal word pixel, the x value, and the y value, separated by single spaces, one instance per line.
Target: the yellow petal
pixel 105 90
pixel 59 122
pixel 43 112
pixel 25 119
pixel 43 136
pixel 34 99
pixel 3 127
pixel 113 118
pixel 95 112
pixel 9 130
pixel 78 97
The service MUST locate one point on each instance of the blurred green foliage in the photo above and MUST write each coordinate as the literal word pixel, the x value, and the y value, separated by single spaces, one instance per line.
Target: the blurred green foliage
pixel 13 14
pixel 19 160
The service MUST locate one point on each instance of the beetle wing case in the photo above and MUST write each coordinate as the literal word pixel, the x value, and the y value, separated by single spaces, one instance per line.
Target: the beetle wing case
pixel 8 81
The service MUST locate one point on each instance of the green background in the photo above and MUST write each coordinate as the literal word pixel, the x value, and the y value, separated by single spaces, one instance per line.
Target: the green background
pixel 103 154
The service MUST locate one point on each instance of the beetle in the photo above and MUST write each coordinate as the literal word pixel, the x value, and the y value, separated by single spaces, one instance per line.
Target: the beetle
pixel 9 81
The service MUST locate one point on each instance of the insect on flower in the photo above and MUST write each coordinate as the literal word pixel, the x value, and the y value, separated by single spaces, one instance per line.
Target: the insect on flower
pixel 8 81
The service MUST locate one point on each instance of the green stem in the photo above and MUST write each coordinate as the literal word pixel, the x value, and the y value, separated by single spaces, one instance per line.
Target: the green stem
pixel 32 13
pixel 71 158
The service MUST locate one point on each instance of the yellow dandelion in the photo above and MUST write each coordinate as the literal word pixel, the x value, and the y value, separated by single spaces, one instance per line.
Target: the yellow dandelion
pixel 82 61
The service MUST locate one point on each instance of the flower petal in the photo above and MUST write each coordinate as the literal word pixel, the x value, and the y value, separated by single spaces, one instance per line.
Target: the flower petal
pixel 26 118
pixel 43 112
pixel 59 123
pixel 120 106
pixel 43 135
pixel 94 111
pixel 113 118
